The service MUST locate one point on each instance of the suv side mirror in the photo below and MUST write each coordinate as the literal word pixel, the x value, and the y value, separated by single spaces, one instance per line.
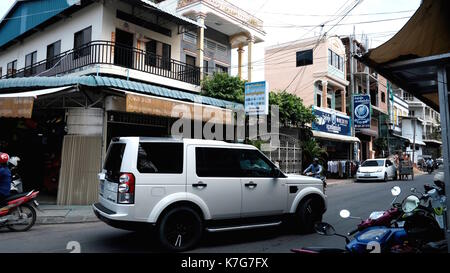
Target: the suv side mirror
pixel 276 173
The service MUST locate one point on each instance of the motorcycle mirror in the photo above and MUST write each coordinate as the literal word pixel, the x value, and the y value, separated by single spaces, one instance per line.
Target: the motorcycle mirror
pixel 324 229
pixel 413 190
pixel 410 203
pixel 344 213
pixel 395 191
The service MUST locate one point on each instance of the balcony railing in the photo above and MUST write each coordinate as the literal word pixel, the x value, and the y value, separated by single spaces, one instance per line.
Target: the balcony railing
pixel 105 52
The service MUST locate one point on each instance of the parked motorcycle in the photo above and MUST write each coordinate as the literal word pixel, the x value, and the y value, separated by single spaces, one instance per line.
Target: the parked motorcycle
pixel 16 181
pixel 18 212
pixel 409 227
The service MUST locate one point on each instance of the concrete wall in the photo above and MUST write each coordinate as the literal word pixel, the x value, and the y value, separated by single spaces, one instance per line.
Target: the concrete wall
pixel 281 71
pixel 63 30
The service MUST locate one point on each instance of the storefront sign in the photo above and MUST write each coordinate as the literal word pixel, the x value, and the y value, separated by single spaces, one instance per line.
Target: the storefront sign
pixel 19 107
pixel 361 111
pixel 331 122
pixel 170 108
pixel 257 98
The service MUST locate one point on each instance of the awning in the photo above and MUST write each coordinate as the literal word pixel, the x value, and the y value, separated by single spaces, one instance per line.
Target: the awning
pixel 20 105
pixel 335 137
pixel 170 14
pixel 412 57
pixel 35 93
pixel 19 85
pixel 433 141
pixel 368 132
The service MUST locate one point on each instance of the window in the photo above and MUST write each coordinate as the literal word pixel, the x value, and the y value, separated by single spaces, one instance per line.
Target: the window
pixel 217 162
pixel 304 57
pixel 190 60
pixel 160 157
pixel 11 68
pixel 30 60
pixel 113 161
pixel 254 164
pixel 81 38
pixel 383 97
pixel 335 60
pixel 150 50
pixel 329 102
pixel 53 50
pixel 221 69
pixel 412 113
pixel 1 71
pixel 205 67
pixel 318 100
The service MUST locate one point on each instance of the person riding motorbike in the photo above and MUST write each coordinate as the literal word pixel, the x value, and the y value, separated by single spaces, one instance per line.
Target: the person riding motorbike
pixel 429 164
pixel 315 168
pixel 5 177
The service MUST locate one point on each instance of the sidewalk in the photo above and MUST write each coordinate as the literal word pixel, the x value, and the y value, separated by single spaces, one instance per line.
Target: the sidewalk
pixel 53 214
pixel 332 182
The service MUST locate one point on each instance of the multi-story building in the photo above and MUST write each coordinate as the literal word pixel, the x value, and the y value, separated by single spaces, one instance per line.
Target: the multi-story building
pixel 75 74
pixel 364 80
pixel 314 69
pixel 430 122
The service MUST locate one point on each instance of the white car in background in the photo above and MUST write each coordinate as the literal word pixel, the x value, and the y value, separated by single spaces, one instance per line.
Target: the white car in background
pixel 376 169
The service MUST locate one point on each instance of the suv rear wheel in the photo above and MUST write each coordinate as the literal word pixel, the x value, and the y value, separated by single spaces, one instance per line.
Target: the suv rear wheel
pixel 180 229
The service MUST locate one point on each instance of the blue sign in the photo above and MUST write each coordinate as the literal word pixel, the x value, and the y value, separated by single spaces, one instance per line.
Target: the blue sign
pixel 361 111
pixel 257 98
pixel 329 121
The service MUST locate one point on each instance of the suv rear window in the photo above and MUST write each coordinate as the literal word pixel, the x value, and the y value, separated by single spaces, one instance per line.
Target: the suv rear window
pixel 158 157
pixel 113 161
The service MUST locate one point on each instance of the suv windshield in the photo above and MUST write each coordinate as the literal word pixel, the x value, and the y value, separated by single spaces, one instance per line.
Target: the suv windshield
pixel 373 163
pixel 113 161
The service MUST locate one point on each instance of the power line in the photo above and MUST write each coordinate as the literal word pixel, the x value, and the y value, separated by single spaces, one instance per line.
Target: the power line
pixel 344 24
pixel 323 15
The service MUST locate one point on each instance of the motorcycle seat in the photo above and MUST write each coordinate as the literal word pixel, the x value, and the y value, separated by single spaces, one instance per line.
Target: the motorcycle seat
pixel 15 196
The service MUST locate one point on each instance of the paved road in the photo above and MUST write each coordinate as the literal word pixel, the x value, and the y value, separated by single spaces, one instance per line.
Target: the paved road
pixel 359 198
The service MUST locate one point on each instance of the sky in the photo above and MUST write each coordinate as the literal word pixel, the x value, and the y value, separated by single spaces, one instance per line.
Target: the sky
pixel 289 20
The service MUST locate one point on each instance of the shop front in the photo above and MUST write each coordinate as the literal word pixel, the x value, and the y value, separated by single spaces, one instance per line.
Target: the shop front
pixel 332 131
pixel 61 133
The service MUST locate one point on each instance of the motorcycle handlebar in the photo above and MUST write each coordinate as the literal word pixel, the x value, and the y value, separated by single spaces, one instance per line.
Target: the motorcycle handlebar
pixel 353 232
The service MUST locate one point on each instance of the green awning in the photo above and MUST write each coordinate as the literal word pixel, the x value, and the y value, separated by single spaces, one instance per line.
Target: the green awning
pixel 16 85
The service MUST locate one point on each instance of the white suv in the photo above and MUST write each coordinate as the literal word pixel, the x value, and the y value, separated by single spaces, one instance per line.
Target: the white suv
pixel 183 187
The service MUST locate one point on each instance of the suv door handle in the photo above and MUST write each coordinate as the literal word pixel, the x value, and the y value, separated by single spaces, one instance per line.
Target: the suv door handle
pixel 251 185
pixel 199 185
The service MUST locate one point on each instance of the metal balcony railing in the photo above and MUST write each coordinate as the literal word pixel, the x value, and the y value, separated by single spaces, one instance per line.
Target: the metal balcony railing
pixel 106 52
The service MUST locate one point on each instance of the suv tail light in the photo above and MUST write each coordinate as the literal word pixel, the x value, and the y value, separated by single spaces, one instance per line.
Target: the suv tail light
pixel 125 191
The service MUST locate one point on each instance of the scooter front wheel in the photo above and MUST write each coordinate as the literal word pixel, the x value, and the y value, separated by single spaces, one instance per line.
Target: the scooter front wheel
pixel 26 217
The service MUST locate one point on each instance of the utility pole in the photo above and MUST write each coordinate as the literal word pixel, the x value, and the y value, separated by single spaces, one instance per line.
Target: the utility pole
pixel 414 141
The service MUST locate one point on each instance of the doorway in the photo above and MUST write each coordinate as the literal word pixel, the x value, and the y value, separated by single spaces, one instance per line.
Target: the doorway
pixel 123 53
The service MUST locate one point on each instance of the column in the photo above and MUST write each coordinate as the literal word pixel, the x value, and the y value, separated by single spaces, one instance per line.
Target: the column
pixel 343 101
pixel 240 51
pixel 324 94
pixel 200 42
pixel 250 41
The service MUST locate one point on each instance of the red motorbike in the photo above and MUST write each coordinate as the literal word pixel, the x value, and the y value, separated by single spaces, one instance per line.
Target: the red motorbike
pixel 18 212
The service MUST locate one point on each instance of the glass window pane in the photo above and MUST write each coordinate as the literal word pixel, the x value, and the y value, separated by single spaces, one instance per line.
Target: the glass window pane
pixel 217 162
pixel 160 157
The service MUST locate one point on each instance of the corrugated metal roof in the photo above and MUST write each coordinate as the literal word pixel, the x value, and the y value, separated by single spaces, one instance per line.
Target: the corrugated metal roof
pixel 26 84
pixel 26 15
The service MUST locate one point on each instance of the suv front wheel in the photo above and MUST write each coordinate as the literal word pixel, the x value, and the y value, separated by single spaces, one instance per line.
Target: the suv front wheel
pixel 180 229
pixel 309 213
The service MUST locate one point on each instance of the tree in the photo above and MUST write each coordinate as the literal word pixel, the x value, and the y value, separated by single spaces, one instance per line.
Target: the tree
pixel 312 149
pixel 223 86
pixel 291 108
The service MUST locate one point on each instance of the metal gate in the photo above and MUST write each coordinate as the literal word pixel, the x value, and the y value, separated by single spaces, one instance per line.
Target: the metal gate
pixel 287 155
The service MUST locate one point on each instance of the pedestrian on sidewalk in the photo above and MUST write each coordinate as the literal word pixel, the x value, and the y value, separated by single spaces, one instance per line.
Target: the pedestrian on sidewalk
pixel 5 177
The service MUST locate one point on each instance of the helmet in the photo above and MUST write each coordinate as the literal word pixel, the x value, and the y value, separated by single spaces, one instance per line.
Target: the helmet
pixel 4 158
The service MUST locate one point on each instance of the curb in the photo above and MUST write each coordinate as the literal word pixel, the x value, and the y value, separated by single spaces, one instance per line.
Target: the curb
pixel 48 215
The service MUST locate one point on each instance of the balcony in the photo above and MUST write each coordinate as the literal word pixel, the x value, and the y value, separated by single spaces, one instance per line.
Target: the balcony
pixel 109 53
pixel 227 8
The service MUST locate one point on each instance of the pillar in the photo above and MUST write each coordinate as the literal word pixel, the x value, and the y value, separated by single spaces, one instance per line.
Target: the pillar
pixel 240 51
pixel 343 101
pixel 324 94
pixel 250 41
pixel 200 42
